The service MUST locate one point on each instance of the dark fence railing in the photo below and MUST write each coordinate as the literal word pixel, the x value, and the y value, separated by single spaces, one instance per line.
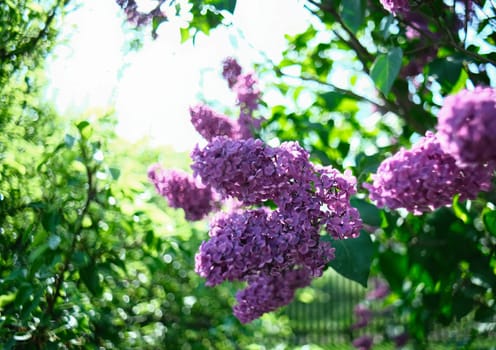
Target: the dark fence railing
pixel 323 314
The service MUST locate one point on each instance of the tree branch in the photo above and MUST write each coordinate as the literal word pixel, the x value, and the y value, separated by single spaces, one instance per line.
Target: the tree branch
pixel 78 226
pixel 33 42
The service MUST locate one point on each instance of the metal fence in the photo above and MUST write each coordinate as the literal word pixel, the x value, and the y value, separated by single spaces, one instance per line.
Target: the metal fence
pixel 323 314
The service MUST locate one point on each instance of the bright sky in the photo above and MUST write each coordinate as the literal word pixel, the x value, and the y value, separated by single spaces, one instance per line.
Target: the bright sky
pixel 152 89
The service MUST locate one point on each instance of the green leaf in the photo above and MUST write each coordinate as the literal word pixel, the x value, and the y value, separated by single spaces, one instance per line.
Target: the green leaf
pixel 461 83
pixel 368 212
pixel 353 13
pixel 184 34
pixel 69 140
pixel 7 299
pixel 489 219
pixel 446 71
pixel 38 252
pixel 85 129
pixel 115 173
pixel 338 102
pixel 460 212
pixel 394 268
pixel 385 69
pixel 90 278
pixel 353 257
pixel 228 5
pixel 485 314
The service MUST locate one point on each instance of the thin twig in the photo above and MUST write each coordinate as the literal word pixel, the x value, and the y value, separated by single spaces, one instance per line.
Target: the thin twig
pixel 332 86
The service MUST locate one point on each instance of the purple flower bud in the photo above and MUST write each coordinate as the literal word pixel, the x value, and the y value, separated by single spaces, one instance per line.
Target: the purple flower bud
pixel 425 178
pixel 183 191
pixel 467 126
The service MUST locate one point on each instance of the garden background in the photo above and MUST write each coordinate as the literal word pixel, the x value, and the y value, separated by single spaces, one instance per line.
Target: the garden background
pixel 92 257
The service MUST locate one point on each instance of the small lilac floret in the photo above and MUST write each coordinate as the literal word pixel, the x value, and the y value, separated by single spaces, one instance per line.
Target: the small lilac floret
pixel 183 191
pixel 467 126
pixel 425 178
pixel 210 123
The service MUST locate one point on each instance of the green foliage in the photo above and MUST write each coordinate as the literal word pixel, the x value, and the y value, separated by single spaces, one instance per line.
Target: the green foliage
pixel 353 258
pixel 385 69
pixel 90 255
pixel 363 107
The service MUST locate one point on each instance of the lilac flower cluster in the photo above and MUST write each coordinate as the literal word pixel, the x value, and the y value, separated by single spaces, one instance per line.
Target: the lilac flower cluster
pixel 418 28
pixel 372 307
pixel 257 242
pixel 231 70
pixel 380 291
pixel 363 342
pixel 183 191
pixel 259 245
pixel 363 315
pixel 138 18
pixel 395 6
pixel 254 172
pixel 425 178
pixel 467 126
pixel 210 124
pixel 268 293
pixel 247 92
pixel 274 251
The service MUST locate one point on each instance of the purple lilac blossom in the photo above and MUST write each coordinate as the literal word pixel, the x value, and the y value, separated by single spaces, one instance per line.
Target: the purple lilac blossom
pixel 467 126
pixel 247 99
pixel 363 315
pixel 425 178
pixel 210 124
pixel 364 342
pixel 305 195
pixel 183 191
pixel 247 92
pixel 396 6
pixel 401 339
pixel 417 26
pixel 268 293
pixel 380 291
pixel 231 70
pixel 138 18
pixel 249 243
